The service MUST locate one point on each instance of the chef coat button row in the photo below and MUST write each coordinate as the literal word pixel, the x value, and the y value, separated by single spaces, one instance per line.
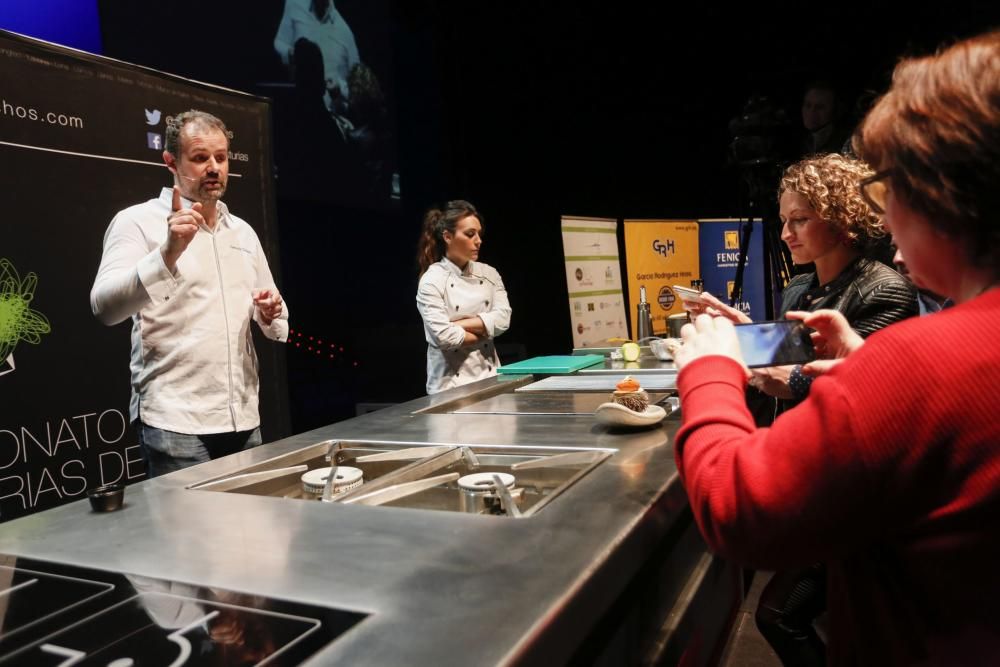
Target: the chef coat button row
pixel 480 282
pixel 487 303
pixel 456 307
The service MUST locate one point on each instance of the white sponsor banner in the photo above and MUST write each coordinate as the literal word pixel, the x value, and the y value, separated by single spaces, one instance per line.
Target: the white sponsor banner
pixel 593 280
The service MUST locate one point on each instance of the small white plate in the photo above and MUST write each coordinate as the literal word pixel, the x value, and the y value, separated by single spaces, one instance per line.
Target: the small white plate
pixel 614 414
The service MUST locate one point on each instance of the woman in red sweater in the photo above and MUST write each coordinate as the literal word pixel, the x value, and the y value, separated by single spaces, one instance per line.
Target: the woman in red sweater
pixel 890 470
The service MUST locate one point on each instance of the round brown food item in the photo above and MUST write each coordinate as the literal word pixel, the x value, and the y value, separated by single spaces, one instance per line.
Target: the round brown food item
pixel 637 401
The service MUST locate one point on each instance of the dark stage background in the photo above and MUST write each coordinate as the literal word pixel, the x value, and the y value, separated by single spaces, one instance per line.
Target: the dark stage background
pixel 531 111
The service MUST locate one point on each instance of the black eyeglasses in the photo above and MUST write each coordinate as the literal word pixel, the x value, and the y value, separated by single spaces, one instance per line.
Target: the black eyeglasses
pixel 873 190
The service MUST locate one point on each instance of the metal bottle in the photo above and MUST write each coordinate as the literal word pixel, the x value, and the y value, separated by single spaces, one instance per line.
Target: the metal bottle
pixel 644 322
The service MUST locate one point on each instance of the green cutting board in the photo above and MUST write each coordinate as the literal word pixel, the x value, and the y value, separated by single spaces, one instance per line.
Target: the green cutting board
pixel 553 365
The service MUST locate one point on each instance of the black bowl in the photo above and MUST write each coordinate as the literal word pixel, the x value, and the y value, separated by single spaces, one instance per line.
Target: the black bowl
pixel 107 498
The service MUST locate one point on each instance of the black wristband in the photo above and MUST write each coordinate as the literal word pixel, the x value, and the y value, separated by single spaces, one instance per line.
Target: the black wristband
pixel 799 384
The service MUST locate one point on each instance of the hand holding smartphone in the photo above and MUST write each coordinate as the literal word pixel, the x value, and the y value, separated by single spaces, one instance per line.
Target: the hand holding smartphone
pixel 705 302
pixel 775 343
pixel 688 294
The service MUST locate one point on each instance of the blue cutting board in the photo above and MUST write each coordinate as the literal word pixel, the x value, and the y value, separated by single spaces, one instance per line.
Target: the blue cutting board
pixel 553 365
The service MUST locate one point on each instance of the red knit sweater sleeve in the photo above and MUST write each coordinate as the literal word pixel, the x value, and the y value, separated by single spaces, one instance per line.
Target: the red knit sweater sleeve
pixel 898 444
pixel 776 497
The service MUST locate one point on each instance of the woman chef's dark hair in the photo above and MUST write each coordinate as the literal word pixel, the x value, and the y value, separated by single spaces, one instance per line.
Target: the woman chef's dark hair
pixel 437 221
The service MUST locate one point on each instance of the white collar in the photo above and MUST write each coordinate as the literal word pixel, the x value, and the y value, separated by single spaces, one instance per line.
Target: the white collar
pixel 452 267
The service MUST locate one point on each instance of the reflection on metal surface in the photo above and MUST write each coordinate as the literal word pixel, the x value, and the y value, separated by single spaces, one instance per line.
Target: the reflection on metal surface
pixel 401 490
pixel 661 381
pixel 408 454
pixel 63 614
pixel 545 403
pixel 569 458
pixel 52 594
pixel 235 481
pixel 427 477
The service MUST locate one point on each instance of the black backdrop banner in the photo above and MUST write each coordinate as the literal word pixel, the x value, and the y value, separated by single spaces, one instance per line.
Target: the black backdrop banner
pixel 81 138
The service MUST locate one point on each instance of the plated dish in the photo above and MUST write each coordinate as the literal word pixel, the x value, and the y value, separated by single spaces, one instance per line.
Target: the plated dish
pixel 614 414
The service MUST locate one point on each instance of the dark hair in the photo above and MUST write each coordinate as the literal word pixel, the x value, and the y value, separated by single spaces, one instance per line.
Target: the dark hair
pixel 937 132
pixel 437 221
pixel 319 8
pixel 177 123
pixel 310 76
pixel 365 93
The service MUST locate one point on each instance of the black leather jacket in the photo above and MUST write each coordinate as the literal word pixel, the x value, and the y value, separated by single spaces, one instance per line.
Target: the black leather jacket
pixel 869 294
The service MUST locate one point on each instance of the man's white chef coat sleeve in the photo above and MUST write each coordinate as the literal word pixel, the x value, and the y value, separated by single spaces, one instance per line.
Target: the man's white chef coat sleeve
pixel 131 275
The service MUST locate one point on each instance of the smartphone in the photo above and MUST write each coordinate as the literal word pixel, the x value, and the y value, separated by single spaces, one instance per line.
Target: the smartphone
pixel 688 294
pixel 777 343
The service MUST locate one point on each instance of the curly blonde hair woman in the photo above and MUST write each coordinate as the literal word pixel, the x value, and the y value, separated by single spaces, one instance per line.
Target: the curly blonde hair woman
pixel 826 222
pixel 830 185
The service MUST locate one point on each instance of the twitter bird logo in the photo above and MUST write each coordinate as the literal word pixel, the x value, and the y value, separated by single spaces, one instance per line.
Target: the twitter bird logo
pixel 152 117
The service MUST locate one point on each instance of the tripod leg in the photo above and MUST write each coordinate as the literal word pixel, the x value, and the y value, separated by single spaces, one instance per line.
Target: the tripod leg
pixel 741 265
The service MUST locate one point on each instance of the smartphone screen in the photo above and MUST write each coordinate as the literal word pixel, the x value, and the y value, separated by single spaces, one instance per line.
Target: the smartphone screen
pixel 778 343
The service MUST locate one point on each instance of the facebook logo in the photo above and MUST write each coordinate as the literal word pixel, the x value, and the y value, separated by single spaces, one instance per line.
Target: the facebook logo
pixel 154 141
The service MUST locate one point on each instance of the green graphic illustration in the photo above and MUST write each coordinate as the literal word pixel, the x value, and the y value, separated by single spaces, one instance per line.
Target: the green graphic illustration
pixel 17 320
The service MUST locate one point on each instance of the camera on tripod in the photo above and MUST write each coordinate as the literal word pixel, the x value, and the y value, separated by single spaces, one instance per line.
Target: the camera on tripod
pixel 763 142
pixel 761 135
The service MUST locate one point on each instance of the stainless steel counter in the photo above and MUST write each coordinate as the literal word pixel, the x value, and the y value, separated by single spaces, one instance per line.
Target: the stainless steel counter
pixel 616 555
pixel 645 364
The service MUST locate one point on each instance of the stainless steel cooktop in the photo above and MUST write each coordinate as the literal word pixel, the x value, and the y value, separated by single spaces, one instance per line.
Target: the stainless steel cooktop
pixel 484 480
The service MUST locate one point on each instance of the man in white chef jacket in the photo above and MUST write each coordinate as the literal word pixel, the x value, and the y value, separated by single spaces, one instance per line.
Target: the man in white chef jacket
pixel 192 276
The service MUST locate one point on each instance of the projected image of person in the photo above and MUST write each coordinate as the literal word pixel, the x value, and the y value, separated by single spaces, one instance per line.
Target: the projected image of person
pixel 192 276
pixel 368 133
pixel 319 22
pixel 338 112
pixel 308 129
pixel 462 301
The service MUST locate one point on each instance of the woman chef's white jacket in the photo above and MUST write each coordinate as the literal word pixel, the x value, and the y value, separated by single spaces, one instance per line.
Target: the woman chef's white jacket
pixel 447 294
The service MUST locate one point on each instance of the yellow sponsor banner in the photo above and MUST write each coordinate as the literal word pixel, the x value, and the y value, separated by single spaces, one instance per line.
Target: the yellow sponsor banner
pixel 658 255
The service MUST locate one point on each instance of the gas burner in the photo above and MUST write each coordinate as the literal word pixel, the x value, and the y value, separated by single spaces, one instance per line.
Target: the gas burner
pixel 449 478
pixel 483 481
pixel 347 478
pixel 480 495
